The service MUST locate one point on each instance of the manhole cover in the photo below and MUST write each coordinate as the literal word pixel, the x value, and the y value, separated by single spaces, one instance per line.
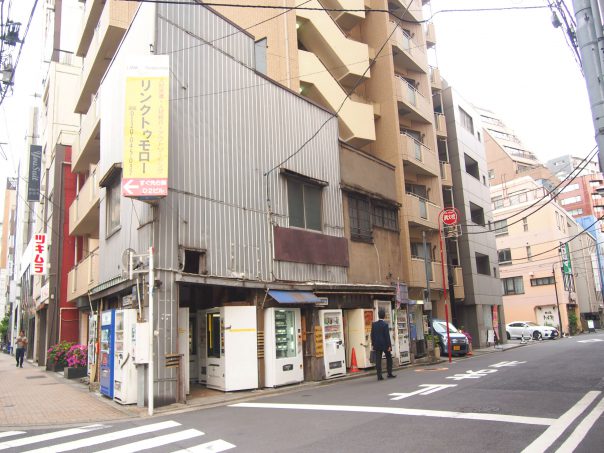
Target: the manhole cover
pixel 35 377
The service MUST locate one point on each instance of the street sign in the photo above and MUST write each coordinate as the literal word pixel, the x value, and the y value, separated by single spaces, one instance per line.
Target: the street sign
pixel 146 128
pixel 566 265
pixel 450 217
pixel 40 257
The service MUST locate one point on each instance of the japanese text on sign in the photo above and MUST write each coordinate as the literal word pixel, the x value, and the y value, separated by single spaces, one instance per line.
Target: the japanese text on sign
pixel 40 254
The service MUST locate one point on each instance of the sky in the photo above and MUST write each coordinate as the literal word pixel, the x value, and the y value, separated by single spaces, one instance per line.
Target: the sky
pixel 514 63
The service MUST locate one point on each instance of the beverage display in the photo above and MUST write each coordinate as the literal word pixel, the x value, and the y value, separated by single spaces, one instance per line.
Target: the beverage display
pixel 285 337
pixel 333 340
pixel 282 346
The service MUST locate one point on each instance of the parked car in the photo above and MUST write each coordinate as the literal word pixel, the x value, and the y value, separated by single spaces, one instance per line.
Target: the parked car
pixel 459 342
pixel 527 329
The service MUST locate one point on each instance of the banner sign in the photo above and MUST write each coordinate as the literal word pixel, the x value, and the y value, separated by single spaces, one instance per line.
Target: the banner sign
pixel 146 128
pixel 35 169
pixel 40 255
pixel 566 266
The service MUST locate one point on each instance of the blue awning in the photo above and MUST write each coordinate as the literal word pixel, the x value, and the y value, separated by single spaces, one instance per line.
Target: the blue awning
pixel 294 297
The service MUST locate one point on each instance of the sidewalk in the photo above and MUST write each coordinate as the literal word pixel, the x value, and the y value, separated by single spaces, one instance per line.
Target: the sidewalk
pixel 32 396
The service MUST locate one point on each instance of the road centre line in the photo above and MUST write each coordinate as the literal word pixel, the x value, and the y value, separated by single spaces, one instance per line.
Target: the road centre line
pixel 402 411
pixel 582 429
pixel 551 434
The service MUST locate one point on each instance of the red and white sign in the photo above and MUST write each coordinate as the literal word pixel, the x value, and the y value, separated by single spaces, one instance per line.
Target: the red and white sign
pixel 137 187
pixel 40 255
pixel 450 217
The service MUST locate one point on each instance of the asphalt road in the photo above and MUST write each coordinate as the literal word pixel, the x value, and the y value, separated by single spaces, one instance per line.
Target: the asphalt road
pixel 548 396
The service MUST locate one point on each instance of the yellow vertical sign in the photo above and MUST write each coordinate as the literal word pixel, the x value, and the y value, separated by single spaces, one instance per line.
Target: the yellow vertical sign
pixel 146 128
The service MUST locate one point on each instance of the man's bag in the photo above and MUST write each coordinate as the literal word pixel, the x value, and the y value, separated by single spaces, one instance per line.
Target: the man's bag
pixel 372 357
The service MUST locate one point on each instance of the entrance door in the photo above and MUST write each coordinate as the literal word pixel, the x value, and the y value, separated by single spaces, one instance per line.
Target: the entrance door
pixel 193 349
pixel 201 347
pixel 183 343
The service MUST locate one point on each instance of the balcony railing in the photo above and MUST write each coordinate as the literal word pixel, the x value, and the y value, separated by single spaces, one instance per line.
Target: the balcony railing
pixel 419 155
pixel 445 174
pixel 84 211
pixel 411 54
pixel 435 79
pixel 420 211
pixel 458 287
pixel 413 103
pixel 440 124
pixel 84 276
pixel 430 34
pixel 417 277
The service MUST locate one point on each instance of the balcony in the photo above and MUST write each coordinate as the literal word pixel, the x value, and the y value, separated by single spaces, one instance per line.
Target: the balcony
pixel 430 35
pixel 418 156
pixel 458 288
pixel 417 274
pixel 346 59
pixel 110 30
pixel 406 52
pixel 435 80
pixel 420 212
pixel 346 19
pixel 399 8
pixel 92 13
pixel 445 174
pixel 440 124
pixel 84 211
pixel 83 277
pixel 412 104
pixel 355 120
pixel 87 147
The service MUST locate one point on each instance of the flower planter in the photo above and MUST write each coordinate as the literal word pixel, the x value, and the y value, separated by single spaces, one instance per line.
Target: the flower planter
pixel 75 372
pixel 54 367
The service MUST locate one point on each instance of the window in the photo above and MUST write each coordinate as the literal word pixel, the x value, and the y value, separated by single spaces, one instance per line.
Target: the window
pixel 517 198
pixel 483 266
pixel 260 55
pixel 505 256
pixel 529 254
pixel 570 188
pixel 501 227
pixel 491 174
pixel 476 214
pixel 472 167
pixel 570 200
pixel 512 285
pixel 497 202
pixel 360 218
pixel 195 262
pixel 542 281
pixel 304 204
pixel 416 189
pixel 113 208
pixel 478 136
pixel 466 120
pixel 385 217
pixel 574 212
pixel 417 252
pixel 525 223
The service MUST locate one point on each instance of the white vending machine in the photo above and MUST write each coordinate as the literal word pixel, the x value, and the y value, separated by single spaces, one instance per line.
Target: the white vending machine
pixel 125 376
pixel 390 319
pixel 358 335
pixel 402 326
pixel 282 347
pixel 231 348
pixel 334 352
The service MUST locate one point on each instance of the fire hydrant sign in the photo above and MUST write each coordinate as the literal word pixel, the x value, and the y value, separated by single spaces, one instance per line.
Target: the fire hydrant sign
pixel 40 255
pixel 146 128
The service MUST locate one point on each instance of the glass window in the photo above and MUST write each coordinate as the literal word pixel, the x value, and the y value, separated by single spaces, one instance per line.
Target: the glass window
pixel 285 335
pixel 213 334
pixel 512 285
pixel 360 218
pixel 570 200
pixel 385 217
pixel 472 166
pixel 570 188
pixel 529 254
pixel 501 227
pixel 466 120
pixel 542 281
pixel 525 223
pixel 113 208
pixel 491 174
pixel 304 201
pixel 505 256
pixel 260 55
pixel 483 265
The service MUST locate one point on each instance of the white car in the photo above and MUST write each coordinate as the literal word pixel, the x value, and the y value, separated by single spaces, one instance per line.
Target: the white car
pixel 527 329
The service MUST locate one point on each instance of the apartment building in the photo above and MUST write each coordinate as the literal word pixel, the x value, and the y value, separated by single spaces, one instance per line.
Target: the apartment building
pixel 7 244
pixel 479 307
pixel 563 166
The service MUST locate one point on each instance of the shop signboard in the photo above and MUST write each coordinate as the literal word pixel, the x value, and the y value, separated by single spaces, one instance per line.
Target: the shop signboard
pixel 35 169
pixel 40 255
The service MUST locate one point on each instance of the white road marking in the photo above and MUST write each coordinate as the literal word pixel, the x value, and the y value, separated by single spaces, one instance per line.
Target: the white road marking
pixel 154 442
pixel 506 364
pixel 471 374
pixel 549 436
pixel 209 447
pixel 48 436
pixel 593 340
pixel 402 411
pixel 11 433
pixel 429 388
pixel 108 437
pixel 581 431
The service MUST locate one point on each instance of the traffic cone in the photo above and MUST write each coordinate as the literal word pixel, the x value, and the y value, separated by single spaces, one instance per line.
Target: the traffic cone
pixel 353 362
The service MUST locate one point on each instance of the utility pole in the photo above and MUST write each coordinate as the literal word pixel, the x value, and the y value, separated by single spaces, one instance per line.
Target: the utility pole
pixel 557 301
pixel 590 39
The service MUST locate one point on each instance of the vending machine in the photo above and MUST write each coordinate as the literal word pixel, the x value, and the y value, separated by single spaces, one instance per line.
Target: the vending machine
pixel 358 335
pixel 92 341
pixel 390 319
pixel 125 376
pixel 107 351
pixel 402 326
pixel 282 347
pixel 334 352
pixel 231 348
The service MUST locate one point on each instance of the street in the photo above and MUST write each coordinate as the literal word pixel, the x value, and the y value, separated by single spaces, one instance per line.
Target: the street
pixel 546 396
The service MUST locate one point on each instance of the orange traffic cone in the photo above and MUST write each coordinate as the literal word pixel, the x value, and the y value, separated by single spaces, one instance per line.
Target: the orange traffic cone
pixel 353 362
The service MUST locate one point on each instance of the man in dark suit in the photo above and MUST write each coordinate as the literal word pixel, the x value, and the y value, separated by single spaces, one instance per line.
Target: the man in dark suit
pixel 380 341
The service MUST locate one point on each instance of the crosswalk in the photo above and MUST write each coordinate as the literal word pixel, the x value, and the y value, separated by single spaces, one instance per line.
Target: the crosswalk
pixel 168 436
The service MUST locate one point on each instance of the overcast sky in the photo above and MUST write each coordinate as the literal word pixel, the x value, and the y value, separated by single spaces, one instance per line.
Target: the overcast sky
pixel 512 62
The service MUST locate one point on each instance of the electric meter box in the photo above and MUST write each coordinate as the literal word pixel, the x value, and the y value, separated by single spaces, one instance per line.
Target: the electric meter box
pixel 141 345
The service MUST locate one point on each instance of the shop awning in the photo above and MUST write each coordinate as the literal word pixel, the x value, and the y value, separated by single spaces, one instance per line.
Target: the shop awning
pixel 294 297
